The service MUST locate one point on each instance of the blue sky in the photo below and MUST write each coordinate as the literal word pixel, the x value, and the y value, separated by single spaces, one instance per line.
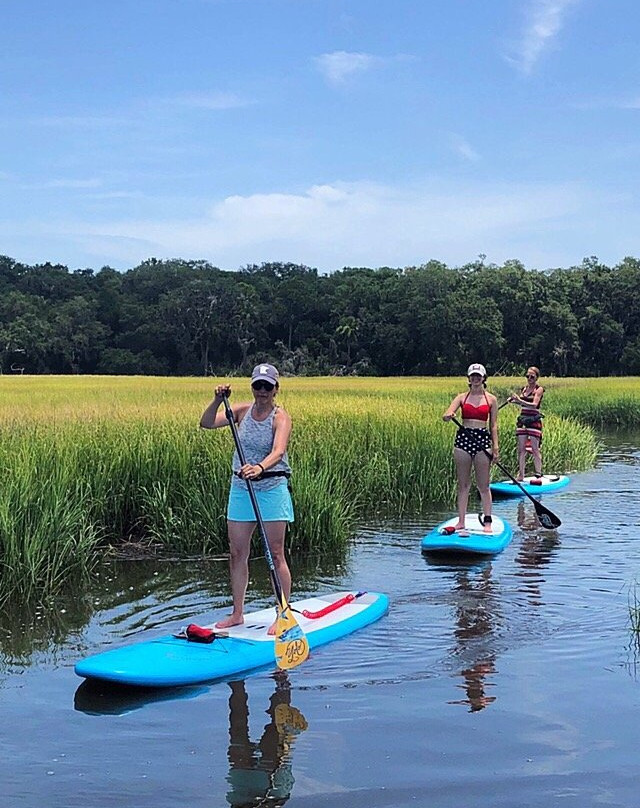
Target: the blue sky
pixel 325 132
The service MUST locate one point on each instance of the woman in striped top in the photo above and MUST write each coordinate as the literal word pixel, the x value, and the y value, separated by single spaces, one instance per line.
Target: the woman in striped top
pixel 529 423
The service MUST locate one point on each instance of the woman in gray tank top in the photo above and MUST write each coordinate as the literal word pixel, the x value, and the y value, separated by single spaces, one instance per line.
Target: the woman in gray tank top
pixel 264 429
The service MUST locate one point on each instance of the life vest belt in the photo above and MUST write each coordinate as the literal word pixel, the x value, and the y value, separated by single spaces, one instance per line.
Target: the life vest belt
pixel 266 474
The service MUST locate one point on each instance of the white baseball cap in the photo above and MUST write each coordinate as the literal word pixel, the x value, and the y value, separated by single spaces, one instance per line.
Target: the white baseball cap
pixel 477 368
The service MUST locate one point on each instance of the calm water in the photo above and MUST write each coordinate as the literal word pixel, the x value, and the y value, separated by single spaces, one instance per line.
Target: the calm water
pixel 509 682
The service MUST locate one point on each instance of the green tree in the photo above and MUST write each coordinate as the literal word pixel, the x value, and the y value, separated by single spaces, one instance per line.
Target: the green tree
pixel 77 336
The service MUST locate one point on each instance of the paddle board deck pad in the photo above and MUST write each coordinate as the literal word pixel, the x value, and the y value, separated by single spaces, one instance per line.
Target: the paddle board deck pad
pixel 532 485
pixel 171 661
pixel 442 540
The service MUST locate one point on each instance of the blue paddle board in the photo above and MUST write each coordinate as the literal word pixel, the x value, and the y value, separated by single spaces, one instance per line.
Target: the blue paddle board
pixel 440 540
pixel 547 483
pixel 171 661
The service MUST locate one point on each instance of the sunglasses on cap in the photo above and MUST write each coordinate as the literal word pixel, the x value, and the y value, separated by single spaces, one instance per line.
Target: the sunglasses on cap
pixel 261 384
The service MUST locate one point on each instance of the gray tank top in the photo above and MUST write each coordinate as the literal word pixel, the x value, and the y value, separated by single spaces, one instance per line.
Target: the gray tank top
pixel 256 438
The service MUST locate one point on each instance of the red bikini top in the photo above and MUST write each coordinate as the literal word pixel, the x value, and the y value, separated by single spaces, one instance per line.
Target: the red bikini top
pixel 481 413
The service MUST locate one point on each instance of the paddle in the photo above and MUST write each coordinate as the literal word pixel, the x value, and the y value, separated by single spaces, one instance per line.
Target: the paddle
pixel 291 644
pixel 547 518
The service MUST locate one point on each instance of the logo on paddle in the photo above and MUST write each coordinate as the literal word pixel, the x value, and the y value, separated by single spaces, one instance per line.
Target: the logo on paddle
pixel 296 651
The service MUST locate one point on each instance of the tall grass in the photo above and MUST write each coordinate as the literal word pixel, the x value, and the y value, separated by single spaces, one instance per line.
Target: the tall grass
pixel 634 616
pixel 87 463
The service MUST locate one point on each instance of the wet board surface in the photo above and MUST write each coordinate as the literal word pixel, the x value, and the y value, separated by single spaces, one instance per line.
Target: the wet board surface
pixel 546 485
pixel 169 661
pixel 477 543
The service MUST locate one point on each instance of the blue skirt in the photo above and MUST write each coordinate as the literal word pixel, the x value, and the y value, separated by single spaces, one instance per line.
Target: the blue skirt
pixel 275 504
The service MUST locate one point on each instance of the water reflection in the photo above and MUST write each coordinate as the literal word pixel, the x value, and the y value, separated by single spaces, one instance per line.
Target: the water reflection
pixel 474 611
pixel 28 626
pixel 260 772
pixel 102 698
pixel 535 552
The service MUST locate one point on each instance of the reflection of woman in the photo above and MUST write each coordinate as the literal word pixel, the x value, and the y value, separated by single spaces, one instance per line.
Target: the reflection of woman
pixel 474 684
pixel 261 772
pixel 479 411
pixel 264 429
pixel 534 553
pixel 474 621
pixel 529 423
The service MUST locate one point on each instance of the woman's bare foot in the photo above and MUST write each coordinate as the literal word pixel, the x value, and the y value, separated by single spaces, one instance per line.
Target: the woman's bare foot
pixel 232 620
pixel 272 629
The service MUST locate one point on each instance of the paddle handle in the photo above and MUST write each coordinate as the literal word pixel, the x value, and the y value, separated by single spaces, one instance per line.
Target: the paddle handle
pixel 254 501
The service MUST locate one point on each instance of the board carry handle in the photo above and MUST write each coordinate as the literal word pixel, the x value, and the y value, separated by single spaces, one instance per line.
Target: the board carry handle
pixel 331 607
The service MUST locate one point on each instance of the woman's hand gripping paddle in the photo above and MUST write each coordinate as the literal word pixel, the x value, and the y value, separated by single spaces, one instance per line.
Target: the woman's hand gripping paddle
pixel 291 644
pixel 547 518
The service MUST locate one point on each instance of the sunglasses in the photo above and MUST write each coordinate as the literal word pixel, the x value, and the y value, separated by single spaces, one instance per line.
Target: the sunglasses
pixel 531 377
pixel 262 385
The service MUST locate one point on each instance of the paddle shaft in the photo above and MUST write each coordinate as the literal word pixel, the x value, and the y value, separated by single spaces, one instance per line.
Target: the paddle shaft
pixel 540 509
pixel 275 580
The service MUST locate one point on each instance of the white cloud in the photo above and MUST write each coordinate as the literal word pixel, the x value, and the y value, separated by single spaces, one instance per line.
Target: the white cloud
pixel 361 224
pixel 463 148
pixel 338 66
pixel 216 100
pixel 135 113
pixel 607 102
pixel 61 183
pixel 79 121
pixel 545 19
pixel 630 103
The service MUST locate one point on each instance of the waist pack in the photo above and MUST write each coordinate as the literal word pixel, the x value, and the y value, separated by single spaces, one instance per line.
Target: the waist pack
pixel 266 474
pixel 525 421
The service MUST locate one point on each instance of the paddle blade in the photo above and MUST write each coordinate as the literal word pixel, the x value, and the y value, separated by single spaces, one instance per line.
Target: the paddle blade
pixel 292 646
pixel 547 519
pixel 289 721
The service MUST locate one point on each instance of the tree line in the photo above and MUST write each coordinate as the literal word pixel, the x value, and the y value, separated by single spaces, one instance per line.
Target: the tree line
pixel 176 317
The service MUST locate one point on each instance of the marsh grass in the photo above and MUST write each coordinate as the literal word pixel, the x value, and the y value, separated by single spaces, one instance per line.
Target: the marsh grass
pixel 634 617
pixel 89 463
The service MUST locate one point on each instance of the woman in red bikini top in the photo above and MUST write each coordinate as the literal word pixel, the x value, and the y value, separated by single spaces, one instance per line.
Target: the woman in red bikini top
pixel 472 413
pixel 475 444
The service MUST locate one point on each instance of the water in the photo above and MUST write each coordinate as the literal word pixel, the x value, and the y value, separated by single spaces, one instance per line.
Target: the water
pixel 506 682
